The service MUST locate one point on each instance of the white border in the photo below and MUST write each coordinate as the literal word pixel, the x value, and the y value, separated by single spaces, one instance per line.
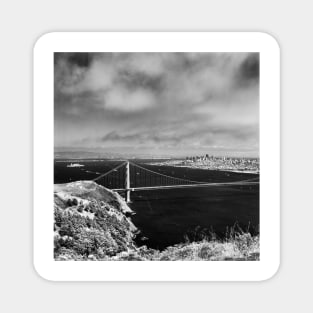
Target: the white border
pixel 268 47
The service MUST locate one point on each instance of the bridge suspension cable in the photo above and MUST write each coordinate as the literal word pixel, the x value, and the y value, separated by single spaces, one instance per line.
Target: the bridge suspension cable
pixel 109 172
pixel 181 180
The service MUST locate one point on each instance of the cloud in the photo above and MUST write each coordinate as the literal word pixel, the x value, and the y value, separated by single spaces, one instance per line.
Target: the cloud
pixel 114 136
pixel 249 71
pixel 182 100
pixel 125 100
pixel 150 64
pixel 99 75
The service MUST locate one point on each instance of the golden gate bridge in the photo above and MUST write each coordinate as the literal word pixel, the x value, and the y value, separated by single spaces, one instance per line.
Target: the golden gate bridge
pixel 129 176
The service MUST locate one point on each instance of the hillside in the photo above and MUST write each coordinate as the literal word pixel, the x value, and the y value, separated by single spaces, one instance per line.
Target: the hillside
pixel 93 223
pixel 90 222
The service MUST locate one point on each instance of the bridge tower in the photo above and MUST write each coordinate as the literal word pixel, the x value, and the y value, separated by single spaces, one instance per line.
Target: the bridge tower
pixel 127 183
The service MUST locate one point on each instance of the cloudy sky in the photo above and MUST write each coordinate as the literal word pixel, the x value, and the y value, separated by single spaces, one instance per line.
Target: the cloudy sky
pixel 172 104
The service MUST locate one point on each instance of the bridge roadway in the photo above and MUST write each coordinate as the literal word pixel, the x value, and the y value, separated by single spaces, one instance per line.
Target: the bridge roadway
pixel 238 183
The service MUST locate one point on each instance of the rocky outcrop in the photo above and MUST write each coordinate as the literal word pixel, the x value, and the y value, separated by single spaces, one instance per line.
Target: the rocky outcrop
pixel 90 222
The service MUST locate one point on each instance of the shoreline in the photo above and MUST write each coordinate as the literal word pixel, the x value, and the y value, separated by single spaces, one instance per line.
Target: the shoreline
pixel 206 167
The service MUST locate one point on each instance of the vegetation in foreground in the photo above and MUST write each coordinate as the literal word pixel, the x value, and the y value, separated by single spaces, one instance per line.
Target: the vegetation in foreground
pixel 243 247
pixel 93 223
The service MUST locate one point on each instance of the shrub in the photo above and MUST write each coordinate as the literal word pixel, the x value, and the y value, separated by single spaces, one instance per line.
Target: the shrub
pixel 205 252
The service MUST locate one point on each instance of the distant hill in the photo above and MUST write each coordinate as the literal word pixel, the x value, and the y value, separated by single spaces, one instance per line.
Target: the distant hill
pixel 85 155
pixel 77 153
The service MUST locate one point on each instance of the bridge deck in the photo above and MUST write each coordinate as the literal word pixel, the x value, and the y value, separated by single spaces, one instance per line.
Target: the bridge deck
pixel 189 186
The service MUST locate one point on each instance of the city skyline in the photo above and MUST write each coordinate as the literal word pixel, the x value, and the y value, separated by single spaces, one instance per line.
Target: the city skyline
pixel 161 104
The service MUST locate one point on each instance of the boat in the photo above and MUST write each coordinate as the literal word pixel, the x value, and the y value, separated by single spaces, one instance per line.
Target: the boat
pixel 75 165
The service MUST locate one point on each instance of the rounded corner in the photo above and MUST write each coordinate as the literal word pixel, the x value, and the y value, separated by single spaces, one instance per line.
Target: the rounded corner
pixel 40 273
pixel 273 271
pixel 271 40
pixel 41 40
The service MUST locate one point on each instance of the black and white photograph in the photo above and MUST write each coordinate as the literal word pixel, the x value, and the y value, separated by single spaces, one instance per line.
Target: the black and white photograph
pixel 156 156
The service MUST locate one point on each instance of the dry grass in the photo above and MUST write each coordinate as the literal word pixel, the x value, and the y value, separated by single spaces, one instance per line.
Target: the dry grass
pixel 243 247
pixel 238 246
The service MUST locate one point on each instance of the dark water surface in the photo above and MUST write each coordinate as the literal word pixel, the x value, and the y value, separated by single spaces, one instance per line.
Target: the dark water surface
pixel 165 217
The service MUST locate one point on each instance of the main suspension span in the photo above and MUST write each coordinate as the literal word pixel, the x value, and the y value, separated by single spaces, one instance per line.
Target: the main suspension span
pixel 129 176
